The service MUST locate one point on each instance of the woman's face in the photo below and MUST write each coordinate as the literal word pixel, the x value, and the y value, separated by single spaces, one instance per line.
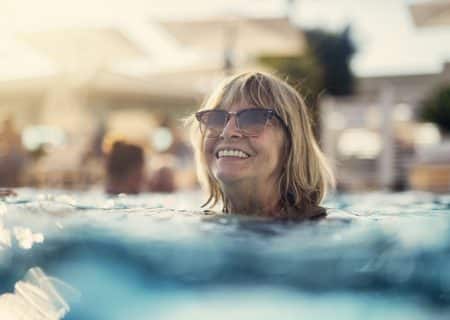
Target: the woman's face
pixel 259 160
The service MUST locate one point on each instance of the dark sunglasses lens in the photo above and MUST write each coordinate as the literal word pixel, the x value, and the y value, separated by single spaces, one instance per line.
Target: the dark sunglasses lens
pixel 213 122
pixel 253 121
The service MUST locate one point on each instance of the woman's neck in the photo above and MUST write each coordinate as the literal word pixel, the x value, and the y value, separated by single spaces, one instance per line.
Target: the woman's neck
pixel 251 199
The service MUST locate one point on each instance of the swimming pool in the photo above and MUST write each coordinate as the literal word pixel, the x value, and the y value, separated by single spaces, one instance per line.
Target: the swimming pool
pixel 379 255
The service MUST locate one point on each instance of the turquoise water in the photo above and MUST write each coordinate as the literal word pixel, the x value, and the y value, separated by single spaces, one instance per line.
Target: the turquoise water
pixel 378 255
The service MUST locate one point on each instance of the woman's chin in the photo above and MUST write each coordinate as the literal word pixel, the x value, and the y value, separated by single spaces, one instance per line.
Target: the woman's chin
pixel 226 177
pixel 232 169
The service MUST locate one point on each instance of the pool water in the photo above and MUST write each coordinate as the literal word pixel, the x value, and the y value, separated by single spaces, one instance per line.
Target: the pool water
pixel 89 256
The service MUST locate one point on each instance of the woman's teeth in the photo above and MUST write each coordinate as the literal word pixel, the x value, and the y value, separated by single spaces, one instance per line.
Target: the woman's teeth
pixel 232 153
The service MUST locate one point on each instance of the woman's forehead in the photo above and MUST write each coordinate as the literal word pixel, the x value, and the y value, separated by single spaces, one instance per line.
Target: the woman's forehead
pixel 242 96
pixel 236 105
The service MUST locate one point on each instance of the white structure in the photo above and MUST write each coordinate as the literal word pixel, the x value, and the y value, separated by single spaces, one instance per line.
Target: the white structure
pixel 150 65
pixel 369 137
pixel 431 13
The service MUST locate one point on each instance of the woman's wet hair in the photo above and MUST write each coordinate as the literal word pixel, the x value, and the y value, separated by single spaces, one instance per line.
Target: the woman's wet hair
pixel 306 176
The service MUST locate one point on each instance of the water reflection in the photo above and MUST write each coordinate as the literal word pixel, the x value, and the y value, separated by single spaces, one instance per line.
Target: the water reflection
pixel 26 238
pixel 36 297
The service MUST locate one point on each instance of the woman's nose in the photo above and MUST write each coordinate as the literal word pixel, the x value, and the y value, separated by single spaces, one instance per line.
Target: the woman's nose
pixel 231 129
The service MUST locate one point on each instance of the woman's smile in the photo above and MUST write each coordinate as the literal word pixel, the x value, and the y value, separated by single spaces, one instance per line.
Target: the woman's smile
pixel 231 153
pixel 233 156
pixel 234 163
pixel 230 161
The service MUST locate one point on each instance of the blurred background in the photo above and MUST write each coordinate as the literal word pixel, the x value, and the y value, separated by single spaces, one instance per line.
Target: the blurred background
pixel 92 93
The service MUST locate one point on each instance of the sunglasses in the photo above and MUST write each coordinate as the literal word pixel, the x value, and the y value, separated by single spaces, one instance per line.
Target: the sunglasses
pixel 250 122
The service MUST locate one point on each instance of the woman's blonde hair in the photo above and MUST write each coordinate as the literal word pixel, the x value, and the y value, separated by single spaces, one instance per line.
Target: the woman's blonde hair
pixel 306 177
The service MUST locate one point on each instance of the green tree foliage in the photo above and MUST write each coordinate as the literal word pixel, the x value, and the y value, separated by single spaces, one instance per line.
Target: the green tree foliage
pixel 334 52
pixel 436 108
pixel 303 72
pixel 323 67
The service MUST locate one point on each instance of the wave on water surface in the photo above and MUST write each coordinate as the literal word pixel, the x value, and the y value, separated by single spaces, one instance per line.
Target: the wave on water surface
pixel 376 254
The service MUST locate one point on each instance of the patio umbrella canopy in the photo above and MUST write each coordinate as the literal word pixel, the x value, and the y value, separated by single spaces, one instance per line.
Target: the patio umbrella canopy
pixel 431 13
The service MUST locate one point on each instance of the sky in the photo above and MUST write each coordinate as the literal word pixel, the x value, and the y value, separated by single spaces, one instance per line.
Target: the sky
pixel 387 40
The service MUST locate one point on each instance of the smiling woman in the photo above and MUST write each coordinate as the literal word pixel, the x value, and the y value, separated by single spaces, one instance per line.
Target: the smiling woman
pixel 256 152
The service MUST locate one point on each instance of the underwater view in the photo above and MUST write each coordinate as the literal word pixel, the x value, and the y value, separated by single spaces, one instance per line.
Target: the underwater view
pixel 89 256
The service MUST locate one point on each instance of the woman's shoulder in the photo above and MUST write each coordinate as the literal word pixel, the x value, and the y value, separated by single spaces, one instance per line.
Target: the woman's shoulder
pixel 318 213
pixel 311 212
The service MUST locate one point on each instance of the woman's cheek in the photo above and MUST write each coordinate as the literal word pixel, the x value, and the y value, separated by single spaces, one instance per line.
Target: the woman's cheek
pixel 209 147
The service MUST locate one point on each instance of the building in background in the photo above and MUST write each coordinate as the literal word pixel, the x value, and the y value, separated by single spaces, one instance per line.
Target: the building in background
pixel 431 13
pixel 375 138
pixel 70 85
pixel 431 170
pixel 372 136
pixel 130 79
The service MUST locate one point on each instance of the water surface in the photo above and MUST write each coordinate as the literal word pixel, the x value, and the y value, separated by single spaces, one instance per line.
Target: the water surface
pixel 378 255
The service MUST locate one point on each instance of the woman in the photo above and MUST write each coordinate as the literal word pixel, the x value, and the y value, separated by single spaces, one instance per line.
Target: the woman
pixel 255 150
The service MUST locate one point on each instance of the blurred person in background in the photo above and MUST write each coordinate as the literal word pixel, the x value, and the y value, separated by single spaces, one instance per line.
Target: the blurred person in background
pixel 7 193
pixel 182 150
pixel 92 160
pixel 255 150
pixel 125 168
pixel 12 154
pixel 162 180
pixel 94 149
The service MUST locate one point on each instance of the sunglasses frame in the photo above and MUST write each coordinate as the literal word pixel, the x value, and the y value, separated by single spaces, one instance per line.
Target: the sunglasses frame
pixel 270 114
